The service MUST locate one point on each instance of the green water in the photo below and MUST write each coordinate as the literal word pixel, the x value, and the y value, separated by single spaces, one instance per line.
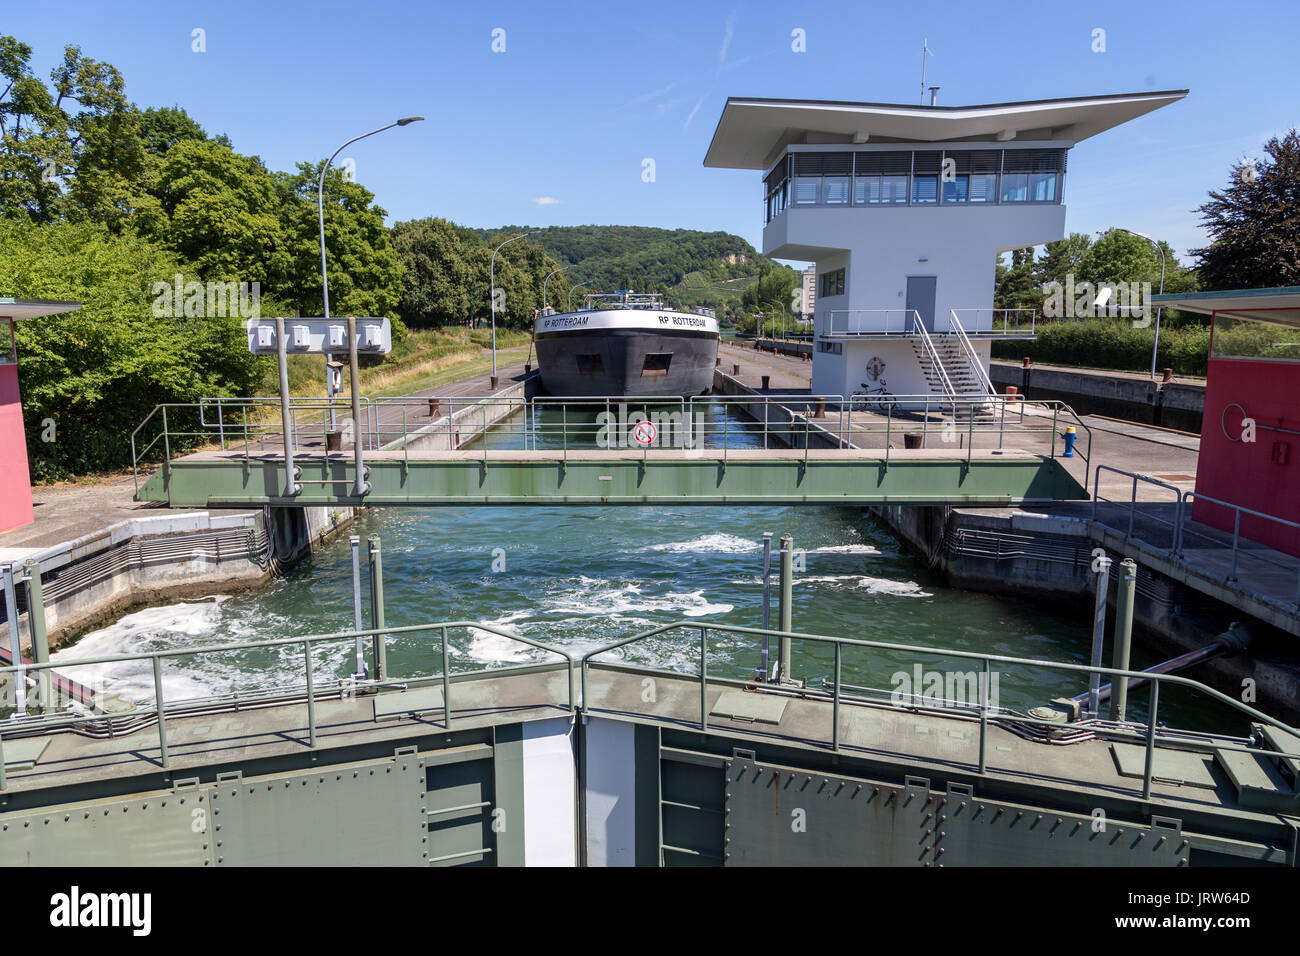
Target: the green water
pixel 579 578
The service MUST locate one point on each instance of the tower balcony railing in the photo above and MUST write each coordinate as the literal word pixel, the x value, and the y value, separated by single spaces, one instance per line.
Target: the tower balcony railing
pixel 999 323
pixel 901 323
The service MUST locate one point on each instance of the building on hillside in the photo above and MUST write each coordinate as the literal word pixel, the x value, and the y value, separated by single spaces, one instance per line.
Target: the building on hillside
pixel 904 210
pixel 15 477
pixel 1248 467
pixel 809 292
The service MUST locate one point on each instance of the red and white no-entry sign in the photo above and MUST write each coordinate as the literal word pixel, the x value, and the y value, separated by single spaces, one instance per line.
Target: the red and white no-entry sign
pixel 644 433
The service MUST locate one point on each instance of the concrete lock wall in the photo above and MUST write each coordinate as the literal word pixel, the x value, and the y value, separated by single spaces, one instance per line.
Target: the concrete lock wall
pixel 1131 396
pixel 466 421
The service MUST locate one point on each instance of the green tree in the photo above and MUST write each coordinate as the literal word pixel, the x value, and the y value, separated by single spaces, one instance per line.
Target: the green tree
pixel 365 274
pixel 44 131
pixel 223 213
pixel 435 272
pixel 1254 236
pixel 96 373
pixel 1061 258
pixel 1014 284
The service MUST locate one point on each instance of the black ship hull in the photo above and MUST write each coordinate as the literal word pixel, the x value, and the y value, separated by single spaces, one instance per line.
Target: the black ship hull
pixel 618 362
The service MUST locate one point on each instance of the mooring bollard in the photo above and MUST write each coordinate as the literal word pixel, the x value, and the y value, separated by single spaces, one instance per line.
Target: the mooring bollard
pixel 766 380
pixel 735 369
pixel 433 407
pixel 495 380
pixel 819 409
pixel 1169 376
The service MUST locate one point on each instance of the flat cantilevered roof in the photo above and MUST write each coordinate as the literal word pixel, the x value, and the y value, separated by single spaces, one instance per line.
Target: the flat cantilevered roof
pixel 33 308
pixel 1280 306
pixel 752 131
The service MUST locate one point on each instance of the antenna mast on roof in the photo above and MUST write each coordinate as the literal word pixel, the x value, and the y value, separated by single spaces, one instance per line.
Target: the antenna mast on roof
pixel 925 50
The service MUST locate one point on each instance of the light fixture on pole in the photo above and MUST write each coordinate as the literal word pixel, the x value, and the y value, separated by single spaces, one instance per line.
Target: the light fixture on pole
pixel 545 300
pixel 1160 249
pixel 324 277
pixel 492 294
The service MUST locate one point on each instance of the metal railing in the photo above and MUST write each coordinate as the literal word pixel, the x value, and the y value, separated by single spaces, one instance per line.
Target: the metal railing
pixel 1010 323
pixel 1175 525
pixel 1238 511
pixel 973 360
pixel 1180 530
pixel 1150 735
pixel 936 360
pixel 897 322
pixel 480 425
pixel 308 692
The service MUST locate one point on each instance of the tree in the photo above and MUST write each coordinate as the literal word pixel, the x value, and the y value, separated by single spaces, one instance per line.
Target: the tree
pixel 1254 223
pixel 1062 258
pixel 222 213
pixel 435 273
pixel 1014 286
pixel 41 139
pixel 96 373
pixel 365 274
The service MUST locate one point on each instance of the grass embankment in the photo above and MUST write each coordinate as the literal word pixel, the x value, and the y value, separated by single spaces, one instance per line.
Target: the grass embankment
pixel 1115 344
pixel 423 359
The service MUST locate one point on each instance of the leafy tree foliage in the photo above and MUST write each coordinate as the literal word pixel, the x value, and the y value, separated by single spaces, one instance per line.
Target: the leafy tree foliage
pixel 1254 223
pixel 96 373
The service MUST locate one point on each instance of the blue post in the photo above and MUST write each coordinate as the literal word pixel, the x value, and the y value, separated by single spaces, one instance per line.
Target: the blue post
pixel 1070 437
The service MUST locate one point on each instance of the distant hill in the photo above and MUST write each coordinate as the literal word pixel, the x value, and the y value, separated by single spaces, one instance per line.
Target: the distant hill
pixel 695 268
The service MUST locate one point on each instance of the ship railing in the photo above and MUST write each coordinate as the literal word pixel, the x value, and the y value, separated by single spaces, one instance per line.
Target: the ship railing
pixel 867 421
pixel 321 679
pixel 826 663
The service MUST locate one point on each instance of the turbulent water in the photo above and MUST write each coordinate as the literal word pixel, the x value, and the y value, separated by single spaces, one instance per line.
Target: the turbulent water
pixel 579 578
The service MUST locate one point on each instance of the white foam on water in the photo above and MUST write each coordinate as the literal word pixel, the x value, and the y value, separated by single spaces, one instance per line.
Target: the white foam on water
pixel 497 649
pixel 846 549
pixel 596 596
pixel 718 543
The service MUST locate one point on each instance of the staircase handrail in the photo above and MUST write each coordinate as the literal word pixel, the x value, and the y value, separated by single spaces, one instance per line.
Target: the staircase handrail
pixel 933 353
pixel 972 357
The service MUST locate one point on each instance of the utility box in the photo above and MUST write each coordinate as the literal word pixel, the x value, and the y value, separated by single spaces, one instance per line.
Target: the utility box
pixel 320 335
pixel 334 377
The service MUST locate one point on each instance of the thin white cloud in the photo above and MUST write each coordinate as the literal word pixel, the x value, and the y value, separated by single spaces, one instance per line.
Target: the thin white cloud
pixel 547 201
pixel 726 37
pixel 695 109
pixel 647 97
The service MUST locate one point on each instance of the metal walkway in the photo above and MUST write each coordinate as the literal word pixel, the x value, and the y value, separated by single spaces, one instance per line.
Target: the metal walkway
pixel 504 450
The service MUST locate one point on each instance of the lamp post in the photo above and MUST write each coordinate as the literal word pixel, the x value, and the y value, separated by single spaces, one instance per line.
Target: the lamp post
pixel 545 300
pixel 1160 249
pixel 574 286
pixel 492 294
pixel 324 275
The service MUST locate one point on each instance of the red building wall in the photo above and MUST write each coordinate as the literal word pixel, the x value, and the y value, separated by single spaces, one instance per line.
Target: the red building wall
pixel 15 480
pixel 1250 474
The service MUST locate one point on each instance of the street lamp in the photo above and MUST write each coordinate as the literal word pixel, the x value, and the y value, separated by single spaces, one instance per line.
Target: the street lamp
pixel 492 294
pixel 324 276
pixel 1160 249
pixel 576 285
pixel 545 300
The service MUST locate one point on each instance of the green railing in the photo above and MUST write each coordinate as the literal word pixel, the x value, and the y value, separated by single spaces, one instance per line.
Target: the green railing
pixel 307 690
pixel 1149 735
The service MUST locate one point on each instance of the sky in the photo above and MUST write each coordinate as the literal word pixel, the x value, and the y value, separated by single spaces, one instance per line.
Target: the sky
pixel 543 113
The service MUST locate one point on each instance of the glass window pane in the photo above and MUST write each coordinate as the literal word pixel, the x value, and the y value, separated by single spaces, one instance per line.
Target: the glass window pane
pixel 958 190
pixel 983 187
pixel 1042 187
pixel 925 189
pixel 1015 187
pixel 805 190
pixel 894 189
pixel 835 190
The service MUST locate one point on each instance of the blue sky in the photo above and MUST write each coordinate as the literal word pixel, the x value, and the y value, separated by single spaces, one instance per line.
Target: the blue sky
pixel 584 92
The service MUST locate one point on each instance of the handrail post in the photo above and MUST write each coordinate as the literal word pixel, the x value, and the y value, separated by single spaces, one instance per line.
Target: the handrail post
pixel 704 678
pixel 311 696
pixel 835 703
pixel 446 683
pixel 1236 537
pixel 1098 632
pixel 984 718
pixel 1151 738
pixel 1132 506
pixel 160 703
